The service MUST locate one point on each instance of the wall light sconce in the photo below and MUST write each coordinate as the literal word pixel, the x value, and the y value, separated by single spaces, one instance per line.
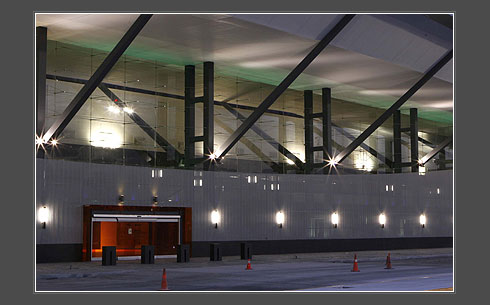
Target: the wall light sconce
pixel 155 200
pixel 335 219
pixel 382 220
pixel 280 219
pixel 422 220
pixel 43 216
pixel 121 199
pixel 215 218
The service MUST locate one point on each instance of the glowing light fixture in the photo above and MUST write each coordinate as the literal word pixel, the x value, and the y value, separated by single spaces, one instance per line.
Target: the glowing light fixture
pixel 43 215
pixel 213 156
pixel 332 162
pixel 421 170
pixel 215 218
pixel 290 161
pixel 280 218
pixel 335 219
pixel 121 199
pixel 114 109
pixel 422 220
pixel 382 220
pixel 54 142
pixel 128 110
pixel 155 200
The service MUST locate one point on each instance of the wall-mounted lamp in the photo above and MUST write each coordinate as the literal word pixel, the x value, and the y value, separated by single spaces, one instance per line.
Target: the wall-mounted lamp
pixel 280 218
pixel 155 200
pixel 215 218
pixel 335 219
pixel 43 216
pixel 422 220
pixel 382 220
pixel 121 199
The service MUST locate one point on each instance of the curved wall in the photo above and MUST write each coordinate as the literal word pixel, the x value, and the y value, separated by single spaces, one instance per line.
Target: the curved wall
pixel 248 209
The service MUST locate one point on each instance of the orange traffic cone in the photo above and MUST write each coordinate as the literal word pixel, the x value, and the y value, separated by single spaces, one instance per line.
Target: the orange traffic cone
pixel 388 262
pixel 249 266
pixel 164 280
pixel 355 268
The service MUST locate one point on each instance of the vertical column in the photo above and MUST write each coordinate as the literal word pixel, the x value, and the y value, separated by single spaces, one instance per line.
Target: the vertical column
pixel 41 47
pixel 308 99
pixel 441 156
pixel 190 115
pixel 397 142
pixel 327 125
pixel 208 100
pixel 414 139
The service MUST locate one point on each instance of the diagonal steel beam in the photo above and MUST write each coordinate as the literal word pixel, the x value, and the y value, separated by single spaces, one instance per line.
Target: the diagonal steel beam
pixel 283 150
pixel 435 151
pixel 95 80
pixel 269 100
pixel 366 147
pixel 152 133
pixel 366 133
pixel 256 150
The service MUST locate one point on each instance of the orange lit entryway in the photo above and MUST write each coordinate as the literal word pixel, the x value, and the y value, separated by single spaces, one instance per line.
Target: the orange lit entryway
pixel 128 228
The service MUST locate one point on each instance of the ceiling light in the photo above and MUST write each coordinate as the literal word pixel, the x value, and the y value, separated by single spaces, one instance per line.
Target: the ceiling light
pixel 128 110
pixel 113 109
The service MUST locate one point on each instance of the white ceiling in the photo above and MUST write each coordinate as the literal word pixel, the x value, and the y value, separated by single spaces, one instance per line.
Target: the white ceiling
pixel 373 61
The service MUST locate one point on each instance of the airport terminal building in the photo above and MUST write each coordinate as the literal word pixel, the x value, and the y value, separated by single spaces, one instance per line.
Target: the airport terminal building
pixel 291 132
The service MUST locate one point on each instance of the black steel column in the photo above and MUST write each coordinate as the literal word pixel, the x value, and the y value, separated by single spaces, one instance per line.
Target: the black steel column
pixel 414 139
pixel 397 142
pixel 308 99
pixel 327 123
pixel 190 115
pixel 41 46
pixel 208 110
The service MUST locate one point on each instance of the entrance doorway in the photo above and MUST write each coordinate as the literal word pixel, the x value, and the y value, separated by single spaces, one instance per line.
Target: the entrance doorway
pixel 128 231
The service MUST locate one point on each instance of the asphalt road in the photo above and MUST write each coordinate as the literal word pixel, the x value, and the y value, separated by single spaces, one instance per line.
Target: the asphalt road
pixel 269 273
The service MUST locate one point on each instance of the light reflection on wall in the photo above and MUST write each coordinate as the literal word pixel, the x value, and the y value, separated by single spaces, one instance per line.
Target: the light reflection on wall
pixel 106 138
pixel 363 162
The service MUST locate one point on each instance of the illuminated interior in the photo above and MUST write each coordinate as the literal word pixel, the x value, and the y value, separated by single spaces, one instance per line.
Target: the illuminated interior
pixel 128 237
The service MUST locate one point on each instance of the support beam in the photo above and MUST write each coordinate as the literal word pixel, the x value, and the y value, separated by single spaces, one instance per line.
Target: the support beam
pixel 327 123
pixel 435 151
pixel 164 94
pixel 269 100
pixel 424 79
pixel 172 152
pixel 253 148
pixel 283 150
pixel 414 139
pixel 59 125
pixel 309 153
pixel 366 147
pixel 41 47
pixel 397 142
pixel 189 115
pixel 208 111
